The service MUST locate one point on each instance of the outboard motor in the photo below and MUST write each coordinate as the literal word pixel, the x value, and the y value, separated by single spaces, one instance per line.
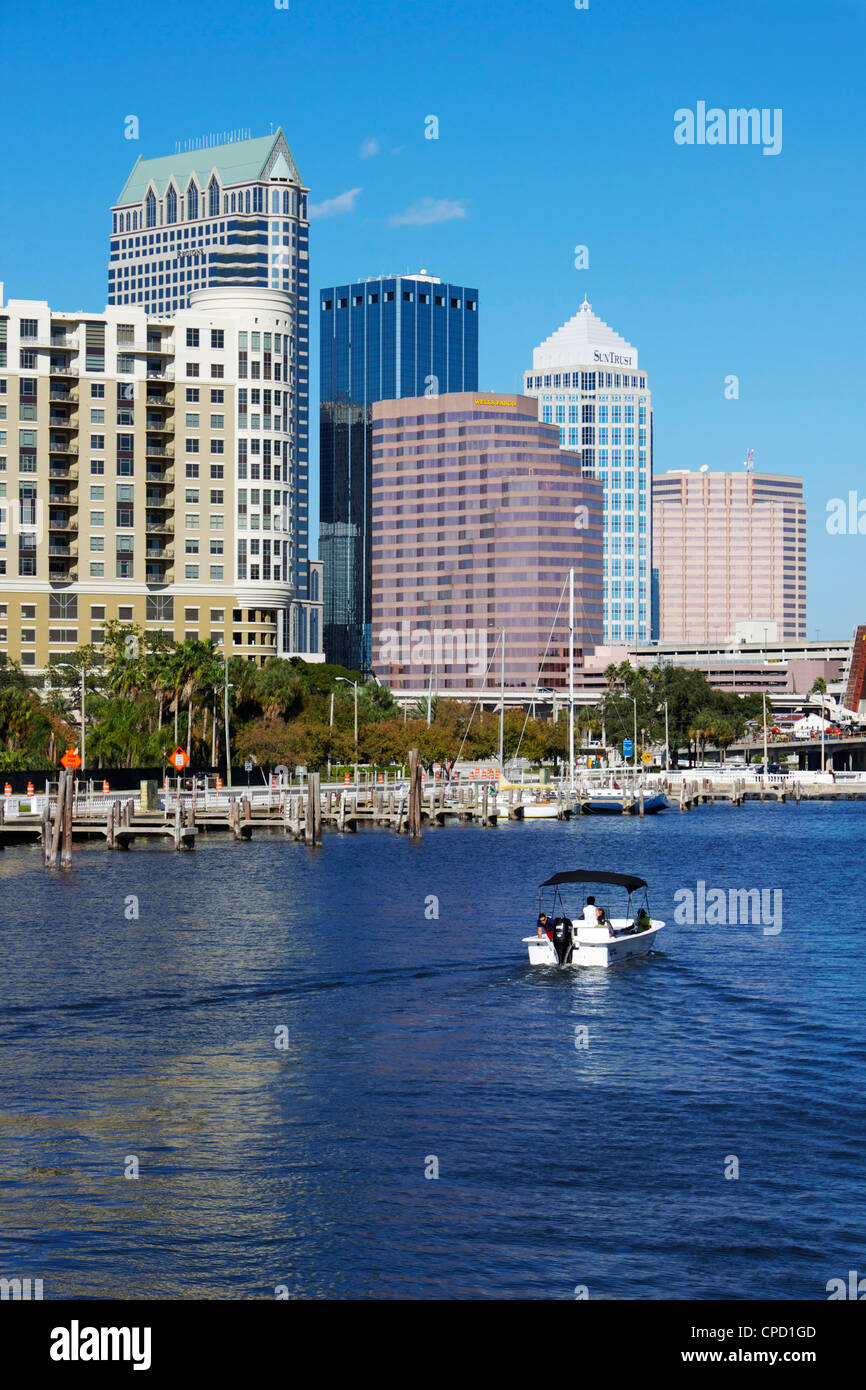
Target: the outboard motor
pixel 562 939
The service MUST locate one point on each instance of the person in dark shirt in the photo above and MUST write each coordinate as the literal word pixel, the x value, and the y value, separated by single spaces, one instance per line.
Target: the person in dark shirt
pixel 545 926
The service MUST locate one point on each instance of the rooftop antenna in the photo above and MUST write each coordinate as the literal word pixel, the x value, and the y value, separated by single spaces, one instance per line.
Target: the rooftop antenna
pixel 749 464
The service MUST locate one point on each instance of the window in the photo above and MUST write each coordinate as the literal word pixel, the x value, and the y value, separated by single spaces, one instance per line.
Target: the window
pixel 192 201
pixel 97 466
pixel 191 521
pixel 217 446
pixel 191 547
pixel 216 521
pixel 97 543
pixel 150 210
pixel 171 205
pixel 217 369
pixel 191 394
pixel 216 497
pixel 192 494
pixel 217 422
pixel 124 615
pixel 97 417
pixel 190 615
pixel 97 442
pixel 97 494
pixel 216 470
pixel 29 328
pixel 192 446
pixel 216 547
pixel 191 571
pixel 217 396
pixel 192 369
pixel 216 571
pixel 97 518
pixel 192 420
pixel 217 338
pixel 192 337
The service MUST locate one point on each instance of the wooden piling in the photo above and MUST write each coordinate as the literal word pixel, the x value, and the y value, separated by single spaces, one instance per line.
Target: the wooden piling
pixel 66 852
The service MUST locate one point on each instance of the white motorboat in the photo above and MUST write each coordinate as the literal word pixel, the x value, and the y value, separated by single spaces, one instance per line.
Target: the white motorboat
pixel 595 936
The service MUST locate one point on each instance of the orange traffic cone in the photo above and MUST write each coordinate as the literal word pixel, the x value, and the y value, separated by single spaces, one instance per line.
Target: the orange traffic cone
pixel 105 786
pixel 347 779
pixel 29 788
pixel 7 789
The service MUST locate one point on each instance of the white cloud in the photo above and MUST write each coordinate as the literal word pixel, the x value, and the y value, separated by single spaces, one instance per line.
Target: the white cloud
pixel 369 147
pixel 336 207
pixel 427 210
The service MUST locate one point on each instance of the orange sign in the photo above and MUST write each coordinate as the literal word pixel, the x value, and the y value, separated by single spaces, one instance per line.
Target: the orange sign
pixel 71 758
pixel 178 759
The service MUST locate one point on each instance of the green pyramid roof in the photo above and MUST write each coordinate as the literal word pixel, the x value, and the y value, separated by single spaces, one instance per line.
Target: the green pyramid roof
pixel 242 161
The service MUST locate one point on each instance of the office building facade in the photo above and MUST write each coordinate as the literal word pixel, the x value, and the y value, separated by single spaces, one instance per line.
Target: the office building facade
pixel 140 482
pixel 730 548
pixel 587 382
pixel 477 517
pixel 232 215
pixel 381 339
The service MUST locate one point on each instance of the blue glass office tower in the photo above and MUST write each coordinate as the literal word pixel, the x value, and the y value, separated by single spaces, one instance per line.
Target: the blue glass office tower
pixel 225 214
pixel 381 340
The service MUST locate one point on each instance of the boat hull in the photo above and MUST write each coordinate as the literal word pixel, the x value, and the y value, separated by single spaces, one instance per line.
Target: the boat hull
pixel 618 805
pixel 597 952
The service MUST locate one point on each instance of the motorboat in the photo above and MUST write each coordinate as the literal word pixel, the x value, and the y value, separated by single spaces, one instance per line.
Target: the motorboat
pixel 594 936
pixel 613 799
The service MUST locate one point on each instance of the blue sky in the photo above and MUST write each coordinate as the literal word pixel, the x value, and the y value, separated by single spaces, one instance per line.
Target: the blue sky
pixel 555 130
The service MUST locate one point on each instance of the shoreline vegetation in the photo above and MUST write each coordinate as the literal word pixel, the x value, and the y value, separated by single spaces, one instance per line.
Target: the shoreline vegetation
pixel 145 695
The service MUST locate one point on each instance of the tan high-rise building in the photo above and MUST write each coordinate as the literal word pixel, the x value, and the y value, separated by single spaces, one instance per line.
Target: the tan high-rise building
pixel 729 549
pixel 146 475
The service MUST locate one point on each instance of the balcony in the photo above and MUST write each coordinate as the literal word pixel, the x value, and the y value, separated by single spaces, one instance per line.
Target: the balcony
pixel 67 472
pixel 165 476
pixel 163 500
pixel 65 548
pixel 159 451
pixel 56 498
pixel 159 526
pixel 61 446
pixel 64 422
pixel 63 393
pixel 56 370
pixel 59 521
pixel 158 426
pixel 165 401
pixel 156 575
pixel 155 551
pixel 160 373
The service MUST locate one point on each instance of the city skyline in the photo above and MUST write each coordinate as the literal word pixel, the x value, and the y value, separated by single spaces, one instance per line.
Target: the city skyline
pixel 689 247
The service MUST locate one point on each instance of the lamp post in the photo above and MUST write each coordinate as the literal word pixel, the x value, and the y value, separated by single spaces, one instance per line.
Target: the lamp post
pixel 354 684
pixel 226 689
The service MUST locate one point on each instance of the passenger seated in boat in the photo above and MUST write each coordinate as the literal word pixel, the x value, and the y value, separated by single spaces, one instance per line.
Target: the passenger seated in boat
pixel 642 922
pixel 590 912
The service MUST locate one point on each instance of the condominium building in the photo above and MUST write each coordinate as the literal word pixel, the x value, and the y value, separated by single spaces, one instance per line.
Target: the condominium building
pixel 587 382
pixel 381 339
pixel 477 518
pixel 224 215
pixel 146 474
pixel 729 549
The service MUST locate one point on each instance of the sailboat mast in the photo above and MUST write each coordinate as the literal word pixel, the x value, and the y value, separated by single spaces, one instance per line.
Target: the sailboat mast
pixel 571 679
pixel 502 702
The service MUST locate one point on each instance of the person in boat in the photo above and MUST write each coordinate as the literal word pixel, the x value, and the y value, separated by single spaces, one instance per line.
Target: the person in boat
pixel 643 921
pixel 545 926
pixel 590 912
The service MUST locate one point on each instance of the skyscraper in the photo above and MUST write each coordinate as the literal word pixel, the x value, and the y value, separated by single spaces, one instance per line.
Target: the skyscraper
pixel 729 548
pixel 381 339
pixel 478 516
pixel 226 215
pixel 587 382
pixel 132 485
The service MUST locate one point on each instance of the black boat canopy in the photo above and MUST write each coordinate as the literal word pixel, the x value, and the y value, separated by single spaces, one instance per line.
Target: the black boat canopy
pixel 629 881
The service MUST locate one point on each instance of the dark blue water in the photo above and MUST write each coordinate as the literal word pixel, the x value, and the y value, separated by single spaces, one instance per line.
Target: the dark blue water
pixel 412 1038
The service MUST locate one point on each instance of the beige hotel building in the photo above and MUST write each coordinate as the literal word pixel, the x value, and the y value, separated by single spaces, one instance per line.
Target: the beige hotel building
pixel 729 549
pixel 146 475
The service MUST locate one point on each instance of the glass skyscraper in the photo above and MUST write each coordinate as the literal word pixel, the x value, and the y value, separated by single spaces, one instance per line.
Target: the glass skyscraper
pixel 381 339
pixel 587 381
pixel 226 215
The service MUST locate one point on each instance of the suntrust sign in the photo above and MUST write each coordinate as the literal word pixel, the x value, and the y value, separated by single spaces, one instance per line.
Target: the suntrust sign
pixel 614 359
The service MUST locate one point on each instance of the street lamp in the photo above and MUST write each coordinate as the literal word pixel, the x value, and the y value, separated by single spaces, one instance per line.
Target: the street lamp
pixel 346 681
